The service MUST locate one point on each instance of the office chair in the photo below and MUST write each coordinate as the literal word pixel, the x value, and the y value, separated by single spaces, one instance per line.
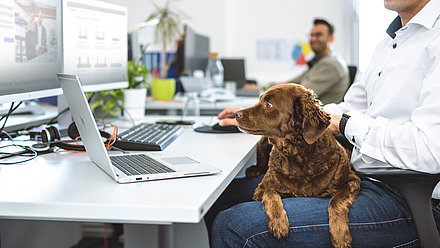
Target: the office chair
pixel 352 69
pixel 416 188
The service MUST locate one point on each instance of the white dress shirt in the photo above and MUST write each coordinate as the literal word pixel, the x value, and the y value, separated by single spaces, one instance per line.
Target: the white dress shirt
pixel 395 108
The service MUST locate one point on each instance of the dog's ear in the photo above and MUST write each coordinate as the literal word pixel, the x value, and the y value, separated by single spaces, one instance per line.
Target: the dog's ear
pixel 315 120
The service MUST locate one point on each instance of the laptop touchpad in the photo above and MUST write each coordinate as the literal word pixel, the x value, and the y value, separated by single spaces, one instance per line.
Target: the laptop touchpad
pixel 179 160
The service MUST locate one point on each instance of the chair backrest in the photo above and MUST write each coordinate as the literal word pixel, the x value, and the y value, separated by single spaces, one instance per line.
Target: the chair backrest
pixel 352 69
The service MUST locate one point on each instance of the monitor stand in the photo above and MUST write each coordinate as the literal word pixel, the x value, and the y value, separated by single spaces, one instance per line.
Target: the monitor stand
pixel 27 107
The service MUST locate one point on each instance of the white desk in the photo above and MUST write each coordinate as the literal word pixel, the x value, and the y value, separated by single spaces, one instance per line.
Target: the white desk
pixel 175 106
pixel 69 187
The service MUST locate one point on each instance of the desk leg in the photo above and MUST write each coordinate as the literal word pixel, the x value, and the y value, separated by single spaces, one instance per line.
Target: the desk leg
pixel 166 236
pixel 139 235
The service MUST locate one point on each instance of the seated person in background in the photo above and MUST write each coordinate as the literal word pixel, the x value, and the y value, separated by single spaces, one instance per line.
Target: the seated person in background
pixel 327 74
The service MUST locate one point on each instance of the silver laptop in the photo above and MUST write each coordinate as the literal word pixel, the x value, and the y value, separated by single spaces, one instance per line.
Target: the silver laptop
pixel 123 168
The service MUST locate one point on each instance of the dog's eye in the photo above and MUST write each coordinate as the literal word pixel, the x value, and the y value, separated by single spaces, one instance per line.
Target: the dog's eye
pixel 268 105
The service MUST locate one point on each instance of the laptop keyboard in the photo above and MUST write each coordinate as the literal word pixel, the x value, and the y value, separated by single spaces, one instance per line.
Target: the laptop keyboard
pixel 148 137
pixel 139 164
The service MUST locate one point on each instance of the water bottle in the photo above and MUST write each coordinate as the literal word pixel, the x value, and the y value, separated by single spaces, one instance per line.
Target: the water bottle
pixel 214 71
pixel 191 106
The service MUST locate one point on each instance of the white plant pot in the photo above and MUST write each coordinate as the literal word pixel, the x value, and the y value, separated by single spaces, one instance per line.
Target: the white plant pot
pixel 134 103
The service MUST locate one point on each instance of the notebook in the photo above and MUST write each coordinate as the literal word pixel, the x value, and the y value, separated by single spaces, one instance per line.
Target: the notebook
pixel 123 168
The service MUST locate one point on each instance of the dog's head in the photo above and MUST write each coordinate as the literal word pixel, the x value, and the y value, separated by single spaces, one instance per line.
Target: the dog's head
pixel 285 109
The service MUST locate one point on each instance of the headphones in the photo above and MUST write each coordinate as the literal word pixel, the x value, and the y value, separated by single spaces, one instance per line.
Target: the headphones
pixel 50 137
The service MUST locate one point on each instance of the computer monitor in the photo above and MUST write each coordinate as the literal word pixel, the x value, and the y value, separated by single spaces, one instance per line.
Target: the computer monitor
pixel 95 43
pixel 234 70
pixel 196 51
pixel 30 48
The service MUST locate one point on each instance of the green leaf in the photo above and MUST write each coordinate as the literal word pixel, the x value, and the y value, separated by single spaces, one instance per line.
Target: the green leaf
pixel 170 26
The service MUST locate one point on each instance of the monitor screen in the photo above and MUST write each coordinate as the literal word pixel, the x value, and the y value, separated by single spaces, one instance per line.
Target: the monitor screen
pixel 95 43
pixel 234 70
pixel 30 49
pixel 196 51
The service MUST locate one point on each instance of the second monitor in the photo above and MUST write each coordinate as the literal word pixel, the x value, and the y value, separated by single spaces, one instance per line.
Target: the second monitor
pixel 95 43
pixel 234 70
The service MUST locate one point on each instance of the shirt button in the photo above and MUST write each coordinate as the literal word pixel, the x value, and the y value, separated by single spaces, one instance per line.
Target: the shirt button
pixel 394 45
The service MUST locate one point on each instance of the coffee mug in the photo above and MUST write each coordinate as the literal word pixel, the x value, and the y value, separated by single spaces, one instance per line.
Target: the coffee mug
pixel 163 89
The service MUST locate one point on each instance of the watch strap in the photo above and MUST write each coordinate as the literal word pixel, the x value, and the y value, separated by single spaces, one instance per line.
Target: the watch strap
pixel 343 123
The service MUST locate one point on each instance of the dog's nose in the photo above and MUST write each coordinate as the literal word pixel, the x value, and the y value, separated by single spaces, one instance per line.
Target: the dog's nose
pixel 238 114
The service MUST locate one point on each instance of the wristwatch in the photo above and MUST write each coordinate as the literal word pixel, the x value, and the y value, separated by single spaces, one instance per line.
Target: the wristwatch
pixel 343 123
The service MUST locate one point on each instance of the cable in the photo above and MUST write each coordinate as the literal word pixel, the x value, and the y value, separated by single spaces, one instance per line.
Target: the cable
pixel 11 109
pixel 7 134
pixel 52 121
pixel 114 135
pixel 22 153
pixel 110 142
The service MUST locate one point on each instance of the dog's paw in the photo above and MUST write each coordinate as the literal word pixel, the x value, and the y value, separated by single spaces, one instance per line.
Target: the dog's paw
pixel 341 244
pixel 253 171
pixel 342 239
pixel 279 227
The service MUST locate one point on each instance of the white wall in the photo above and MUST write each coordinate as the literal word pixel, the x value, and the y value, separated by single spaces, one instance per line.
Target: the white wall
pixel 234 26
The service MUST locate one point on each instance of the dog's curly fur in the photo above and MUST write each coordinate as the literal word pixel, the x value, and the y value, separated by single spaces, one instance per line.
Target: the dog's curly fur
pixel 305 159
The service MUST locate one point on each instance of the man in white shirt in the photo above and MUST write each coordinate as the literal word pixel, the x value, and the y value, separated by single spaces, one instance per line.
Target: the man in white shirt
pixel 394 110
pixel 391 117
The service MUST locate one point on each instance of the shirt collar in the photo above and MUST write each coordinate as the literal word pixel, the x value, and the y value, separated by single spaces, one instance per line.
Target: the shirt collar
pixel 426 17
pixel 395 25
pixel 314 60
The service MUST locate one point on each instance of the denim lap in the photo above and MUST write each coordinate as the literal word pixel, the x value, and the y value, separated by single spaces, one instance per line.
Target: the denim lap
pixel 378 218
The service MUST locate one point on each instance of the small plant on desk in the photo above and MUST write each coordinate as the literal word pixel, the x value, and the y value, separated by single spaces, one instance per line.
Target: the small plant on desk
pixel 110 102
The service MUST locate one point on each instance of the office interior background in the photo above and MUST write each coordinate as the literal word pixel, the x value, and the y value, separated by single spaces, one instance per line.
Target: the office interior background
pixel 264 32
pixel 246 27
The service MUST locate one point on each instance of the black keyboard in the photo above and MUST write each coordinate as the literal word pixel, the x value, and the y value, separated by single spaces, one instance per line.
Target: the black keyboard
pixel 148 137
pixel 139 164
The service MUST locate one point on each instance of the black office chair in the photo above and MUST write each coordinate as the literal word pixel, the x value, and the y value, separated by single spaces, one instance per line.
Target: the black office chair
pixel 416 188
pixel 352 69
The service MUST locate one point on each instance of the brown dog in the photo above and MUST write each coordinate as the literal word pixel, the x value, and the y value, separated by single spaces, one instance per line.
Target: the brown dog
pixel 305 159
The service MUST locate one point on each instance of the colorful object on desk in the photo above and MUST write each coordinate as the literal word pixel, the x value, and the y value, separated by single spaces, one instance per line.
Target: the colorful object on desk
pixel 163 89
pixel 300 51
pixel 151 60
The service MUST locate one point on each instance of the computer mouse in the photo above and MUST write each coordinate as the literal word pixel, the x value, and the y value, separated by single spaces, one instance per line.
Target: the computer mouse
pixel 217 129
pixel 230 129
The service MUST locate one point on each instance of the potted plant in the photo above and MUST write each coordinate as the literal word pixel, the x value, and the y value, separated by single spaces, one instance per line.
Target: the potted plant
pixel 111 102
pixel 138 77
pixel 106 103
pixel 168 29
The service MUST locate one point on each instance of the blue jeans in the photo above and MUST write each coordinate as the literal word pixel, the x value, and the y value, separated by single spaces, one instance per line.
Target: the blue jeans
pixel 378 218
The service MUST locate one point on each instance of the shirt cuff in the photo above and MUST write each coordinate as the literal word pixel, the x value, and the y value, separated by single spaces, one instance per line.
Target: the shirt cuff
pixel 357 128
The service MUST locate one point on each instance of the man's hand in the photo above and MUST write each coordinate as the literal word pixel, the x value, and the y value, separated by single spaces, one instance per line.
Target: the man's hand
pixel 334 124
pixel 227 118
pixel 251 87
